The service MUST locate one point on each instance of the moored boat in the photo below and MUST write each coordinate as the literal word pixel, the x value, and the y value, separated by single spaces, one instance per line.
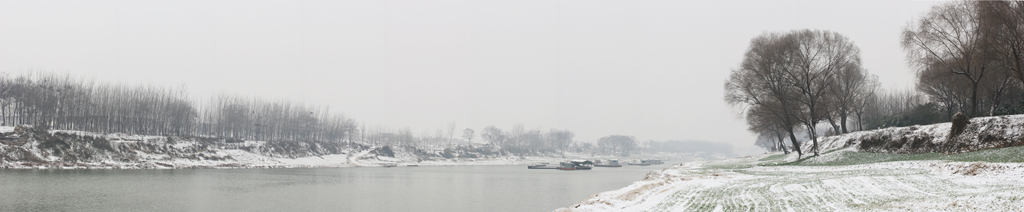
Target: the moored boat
pixel 607 163
pixel 652 161
pixel 641 163
pixel 576 165
pixel 541 166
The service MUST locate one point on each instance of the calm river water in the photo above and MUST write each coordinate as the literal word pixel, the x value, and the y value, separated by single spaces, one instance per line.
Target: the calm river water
pixel 443 188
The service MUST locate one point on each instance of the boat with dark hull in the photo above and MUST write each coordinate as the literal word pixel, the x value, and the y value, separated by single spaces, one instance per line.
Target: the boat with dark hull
pixel 541 166
pixel 653 161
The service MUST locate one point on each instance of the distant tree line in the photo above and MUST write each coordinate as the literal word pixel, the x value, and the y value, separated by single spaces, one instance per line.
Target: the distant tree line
pixel 968 57
pixel 617 144
pixel 66 102
pixel 255 119
pixel 519 140
pixel 69 103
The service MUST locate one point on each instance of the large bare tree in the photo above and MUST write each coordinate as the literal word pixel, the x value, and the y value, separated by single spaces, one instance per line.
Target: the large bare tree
pixel 765 122
pixel 948 36
pixel 762 82
pixel 1002 27
pixel 821 55
pixel 848 88
pixel 792 76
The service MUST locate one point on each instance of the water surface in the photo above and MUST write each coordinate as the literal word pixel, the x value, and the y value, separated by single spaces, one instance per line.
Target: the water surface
pixel 441 188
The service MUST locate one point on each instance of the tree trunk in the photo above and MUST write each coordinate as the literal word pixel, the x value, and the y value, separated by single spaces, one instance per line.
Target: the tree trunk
pixel 814 138
pixel 835 127
pixel 860 121
pixel 781 143
pixel 842 121
pixel 796 144
pixel 949 112
pixel 974 99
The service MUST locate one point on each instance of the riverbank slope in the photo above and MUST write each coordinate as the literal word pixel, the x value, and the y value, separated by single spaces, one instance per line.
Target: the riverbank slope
pixel 981 169
pixel 30 148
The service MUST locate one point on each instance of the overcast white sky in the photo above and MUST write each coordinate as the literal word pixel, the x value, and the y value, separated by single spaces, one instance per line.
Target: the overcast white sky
pixel 651 69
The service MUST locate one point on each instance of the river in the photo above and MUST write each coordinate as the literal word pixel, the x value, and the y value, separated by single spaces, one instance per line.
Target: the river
pixel 426 188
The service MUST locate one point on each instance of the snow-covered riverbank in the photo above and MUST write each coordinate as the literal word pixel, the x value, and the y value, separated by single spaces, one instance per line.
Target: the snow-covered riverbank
pixel 847 176
pixel 233 158
pixel 26 148
pixel 742 185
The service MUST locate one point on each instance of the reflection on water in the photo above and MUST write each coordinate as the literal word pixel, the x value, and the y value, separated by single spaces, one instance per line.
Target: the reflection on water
pixel 446 188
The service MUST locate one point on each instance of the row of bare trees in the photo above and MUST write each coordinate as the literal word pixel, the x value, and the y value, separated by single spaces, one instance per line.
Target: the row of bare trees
pixel 384 136
pixel 798 79
pixel 66 102
pixel 617 144
pixel 969 55
pixel 256 119
pixel 520 140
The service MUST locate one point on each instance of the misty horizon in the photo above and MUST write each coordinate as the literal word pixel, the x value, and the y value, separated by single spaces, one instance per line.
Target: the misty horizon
pixel 597 69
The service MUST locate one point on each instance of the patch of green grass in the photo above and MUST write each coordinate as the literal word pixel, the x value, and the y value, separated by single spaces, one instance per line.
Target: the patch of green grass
pixel 777 157
pixel 999 155
pixel 729 166
pixel 738 163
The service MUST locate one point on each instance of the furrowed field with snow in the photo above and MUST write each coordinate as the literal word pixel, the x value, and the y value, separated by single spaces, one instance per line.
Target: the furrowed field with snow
pixel 979 170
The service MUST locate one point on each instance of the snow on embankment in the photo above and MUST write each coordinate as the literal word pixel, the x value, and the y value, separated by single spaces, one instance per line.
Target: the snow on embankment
pixel 28 147
pixel 855 172
pixel 981 133
pixel 25 147
pixel 753 184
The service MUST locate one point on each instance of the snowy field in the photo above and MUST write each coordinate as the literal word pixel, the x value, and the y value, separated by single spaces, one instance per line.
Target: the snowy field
pixel 842 178
pixel 757 184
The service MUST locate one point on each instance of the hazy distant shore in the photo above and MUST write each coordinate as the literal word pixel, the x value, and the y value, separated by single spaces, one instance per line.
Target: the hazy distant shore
pixel 27 148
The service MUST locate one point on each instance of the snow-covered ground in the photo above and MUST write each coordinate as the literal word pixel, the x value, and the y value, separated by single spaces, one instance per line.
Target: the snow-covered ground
pixel 744 185
pixel 237 158
pixel 845 177
pixel 68 149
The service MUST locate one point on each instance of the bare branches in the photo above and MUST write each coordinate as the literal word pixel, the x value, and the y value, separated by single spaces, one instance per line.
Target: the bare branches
pixel 65 102
pixel 796 77
pixel 949 37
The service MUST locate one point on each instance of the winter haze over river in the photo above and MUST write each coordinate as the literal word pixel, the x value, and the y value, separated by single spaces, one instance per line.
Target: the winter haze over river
pixel 651 69
pixel 405 105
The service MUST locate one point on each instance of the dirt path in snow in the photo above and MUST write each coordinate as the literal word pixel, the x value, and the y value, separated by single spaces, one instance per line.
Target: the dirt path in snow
pixel 354 159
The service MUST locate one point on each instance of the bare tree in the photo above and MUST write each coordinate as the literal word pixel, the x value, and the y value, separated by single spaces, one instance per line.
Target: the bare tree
pixel 847 89
pixel 494 136
pixel 866 95
pixel 451 133
pixel 468 135
pixel 763 121
pixel 821 55
pixel 1002 26
pixel 619 144
pixel 560 139
pixel 948 36
pixel 762 82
